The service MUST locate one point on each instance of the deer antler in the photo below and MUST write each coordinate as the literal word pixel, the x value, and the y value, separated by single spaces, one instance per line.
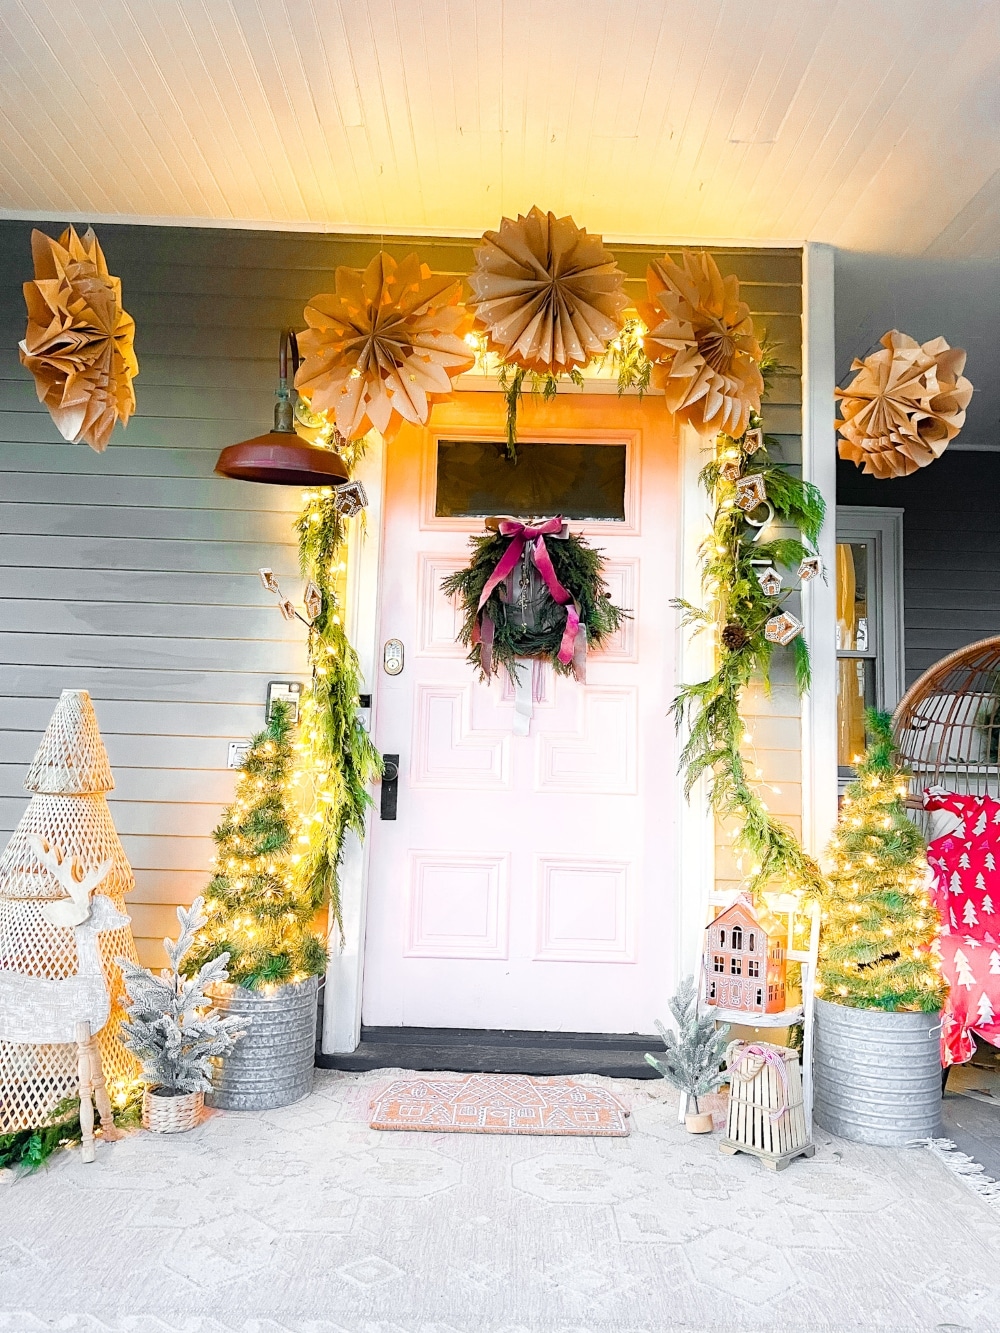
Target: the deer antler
pixel 78 883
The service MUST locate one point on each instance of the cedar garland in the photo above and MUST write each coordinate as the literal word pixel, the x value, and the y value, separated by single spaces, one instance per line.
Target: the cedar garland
pixel 337 758
pixel 738 608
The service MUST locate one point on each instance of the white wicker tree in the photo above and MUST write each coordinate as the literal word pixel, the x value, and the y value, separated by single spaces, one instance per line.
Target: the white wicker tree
pixel 69 813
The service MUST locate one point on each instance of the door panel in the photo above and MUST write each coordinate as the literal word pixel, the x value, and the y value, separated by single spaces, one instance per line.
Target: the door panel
pixel 526 881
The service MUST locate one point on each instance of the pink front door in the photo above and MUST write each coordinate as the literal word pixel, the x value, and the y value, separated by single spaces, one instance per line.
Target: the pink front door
pixel 527 881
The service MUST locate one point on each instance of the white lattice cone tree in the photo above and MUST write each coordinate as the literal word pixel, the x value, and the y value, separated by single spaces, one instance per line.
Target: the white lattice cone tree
pixel 68 777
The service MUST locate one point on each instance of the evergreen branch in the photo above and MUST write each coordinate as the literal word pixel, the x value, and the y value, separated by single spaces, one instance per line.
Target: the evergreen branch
pixel 738 606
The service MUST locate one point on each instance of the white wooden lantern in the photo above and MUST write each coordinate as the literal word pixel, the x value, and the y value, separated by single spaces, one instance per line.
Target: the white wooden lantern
pixel 766 1113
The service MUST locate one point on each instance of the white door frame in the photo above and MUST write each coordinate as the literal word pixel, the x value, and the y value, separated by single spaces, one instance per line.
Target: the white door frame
pixel 345 971
pixel 819 597
pixel 694 862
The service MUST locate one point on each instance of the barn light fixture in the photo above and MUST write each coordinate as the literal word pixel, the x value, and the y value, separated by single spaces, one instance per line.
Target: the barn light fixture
pixel 281 457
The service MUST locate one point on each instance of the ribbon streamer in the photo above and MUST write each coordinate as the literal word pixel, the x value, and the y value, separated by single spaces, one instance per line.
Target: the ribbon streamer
pixel 761 1056
pixel 573 647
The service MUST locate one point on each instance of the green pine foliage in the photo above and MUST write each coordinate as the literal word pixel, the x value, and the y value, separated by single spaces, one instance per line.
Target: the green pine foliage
pixel 878 925
pixel 338 758
pixel 578 567
pixel 543 385
pixel 259 912
pixel 171 1025
pixel 695 1053
pixel 28 1149
pixel 633 368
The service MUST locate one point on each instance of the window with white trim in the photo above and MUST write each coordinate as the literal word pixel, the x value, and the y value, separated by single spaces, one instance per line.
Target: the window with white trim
pixel 869 584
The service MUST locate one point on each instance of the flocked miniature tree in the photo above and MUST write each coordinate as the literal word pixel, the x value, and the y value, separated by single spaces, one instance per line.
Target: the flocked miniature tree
pixel 695 1052
pixel 878 924
pixel 260 910
pixel 171 1026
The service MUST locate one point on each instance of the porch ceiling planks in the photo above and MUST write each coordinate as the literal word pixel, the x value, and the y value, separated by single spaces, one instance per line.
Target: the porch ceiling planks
pixel 803 119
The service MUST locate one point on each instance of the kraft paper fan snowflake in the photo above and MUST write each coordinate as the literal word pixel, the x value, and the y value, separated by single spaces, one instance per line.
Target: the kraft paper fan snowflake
pixel 904 406
pixel 383 345
pixel 79 340
pixel 549 296
pixel 701 341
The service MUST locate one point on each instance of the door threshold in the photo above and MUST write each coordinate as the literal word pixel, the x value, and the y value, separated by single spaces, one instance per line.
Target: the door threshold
pixel 498 1051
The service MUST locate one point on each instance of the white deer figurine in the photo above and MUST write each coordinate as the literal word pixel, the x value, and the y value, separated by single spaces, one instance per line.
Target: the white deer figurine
pixel 43 1010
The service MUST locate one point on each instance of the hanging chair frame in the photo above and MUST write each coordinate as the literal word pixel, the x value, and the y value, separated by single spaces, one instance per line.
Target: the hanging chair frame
pixel 947 724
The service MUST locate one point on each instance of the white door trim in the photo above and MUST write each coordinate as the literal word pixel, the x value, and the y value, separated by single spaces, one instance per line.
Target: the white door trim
pixel 819 598
pixel 345 971
pixel 695 857
pixel 695 661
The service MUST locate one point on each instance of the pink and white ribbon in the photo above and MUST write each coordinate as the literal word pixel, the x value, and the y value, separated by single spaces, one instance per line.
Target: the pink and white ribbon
pixel 573 647
pixel 767 1055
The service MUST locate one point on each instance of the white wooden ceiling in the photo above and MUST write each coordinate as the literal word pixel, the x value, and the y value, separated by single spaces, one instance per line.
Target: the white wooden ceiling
pixel 871 124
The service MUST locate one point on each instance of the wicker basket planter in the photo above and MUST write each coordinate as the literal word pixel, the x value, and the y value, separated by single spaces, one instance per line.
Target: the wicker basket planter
pixel 877 1075
pixel 273 1063
pixel 169 1111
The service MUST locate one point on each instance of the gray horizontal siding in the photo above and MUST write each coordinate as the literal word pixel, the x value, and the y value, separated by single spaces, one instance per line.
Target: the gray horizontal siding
pixel 133 573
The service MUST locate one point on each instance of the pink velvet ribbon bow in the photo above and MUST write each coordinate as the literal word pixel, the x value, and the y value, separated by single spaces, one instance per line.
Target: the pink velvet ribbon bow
pixel 573 647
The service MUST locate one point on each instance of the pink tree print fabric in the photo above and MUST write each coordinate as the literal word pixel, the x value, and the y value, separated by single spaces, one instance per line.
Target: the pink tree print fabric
pixel 966 892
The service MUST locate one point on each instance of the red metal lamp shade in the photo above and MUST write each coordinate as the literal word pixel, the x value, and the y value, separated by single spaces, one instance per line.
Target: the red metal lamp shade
pixel 281 457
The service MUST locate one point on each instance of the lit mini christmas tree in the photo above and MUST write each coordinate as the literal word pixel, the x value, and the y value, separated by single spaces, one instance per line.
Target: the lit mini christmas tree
pixel 878 923
pixel 259 911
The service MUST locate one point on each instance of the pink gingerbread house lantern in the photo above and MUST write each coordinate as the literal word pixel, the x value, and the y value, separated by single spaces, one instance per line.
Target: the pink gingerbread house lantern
pixel 745 960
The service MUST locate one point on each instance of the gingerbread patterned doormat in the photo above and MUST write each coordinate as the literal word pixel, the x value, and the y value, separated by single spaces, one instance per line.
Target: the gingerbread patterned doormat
pixel 499 1104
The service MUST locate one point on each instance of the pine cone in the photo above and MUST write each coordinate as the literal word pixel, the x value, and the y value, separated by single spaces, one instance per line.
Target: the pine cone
pixel 734 636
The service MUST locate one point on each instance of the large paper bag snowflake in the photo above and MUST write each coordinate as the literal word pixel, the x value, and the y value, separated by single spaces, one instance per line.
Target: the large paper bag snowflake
pixel 78 343
pixel 904 406
pixel 381 347
pixel 548 295
pixel 701 341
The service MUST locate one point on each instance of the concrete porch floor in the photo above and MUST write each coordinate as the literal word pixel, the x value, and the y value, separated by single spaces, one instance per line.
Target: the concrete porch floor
pixel 304 1220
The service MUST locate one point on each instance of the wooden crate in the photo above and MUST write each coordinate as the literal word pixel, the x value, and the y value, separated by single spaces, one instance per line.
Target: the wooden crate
pixel 756 1092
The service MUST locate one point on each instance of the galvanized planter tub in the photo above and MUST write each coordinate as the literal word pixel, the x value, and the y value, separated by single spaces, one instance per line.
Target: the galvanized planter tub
pixel 273 1064
pixel 877 1075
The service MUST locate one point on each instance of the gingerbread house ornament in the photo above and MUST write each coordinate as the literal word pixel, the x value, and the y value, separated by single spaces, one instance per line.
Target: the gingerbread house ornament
pixel 745 960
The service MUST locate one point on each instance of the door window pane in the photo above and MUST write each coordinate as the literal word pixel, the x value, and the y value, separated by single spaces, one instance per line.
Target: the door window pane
pixel 475 479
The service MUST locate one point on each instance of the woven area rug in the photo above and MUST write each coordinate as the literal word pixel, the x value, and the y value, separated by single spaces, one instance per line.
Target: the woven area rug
pixel 499 1104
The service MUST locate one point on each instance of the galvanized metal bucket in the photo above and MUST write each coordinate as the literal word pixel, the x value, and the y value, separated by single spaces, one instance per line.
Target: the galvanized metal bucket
pixel 273 1064
pixel 877 1075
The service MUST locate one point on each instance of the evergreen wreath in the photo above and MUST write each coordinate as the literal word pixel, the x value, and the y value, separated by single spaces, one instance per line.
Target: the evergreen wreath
pixel 578 568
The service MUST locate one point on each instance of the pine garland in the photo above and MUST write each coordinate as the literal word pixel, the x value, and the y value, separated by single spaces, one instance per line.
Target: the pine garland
pixel 878 925
pixel 627 355
pixel 28 1149
pixel 739 609
pixel 337 760
pixel 578 567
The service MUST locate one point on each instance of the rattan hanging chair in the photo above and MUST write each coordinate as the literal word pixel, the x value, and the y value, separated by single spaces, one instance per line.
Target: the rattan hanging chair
pixel 947 725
